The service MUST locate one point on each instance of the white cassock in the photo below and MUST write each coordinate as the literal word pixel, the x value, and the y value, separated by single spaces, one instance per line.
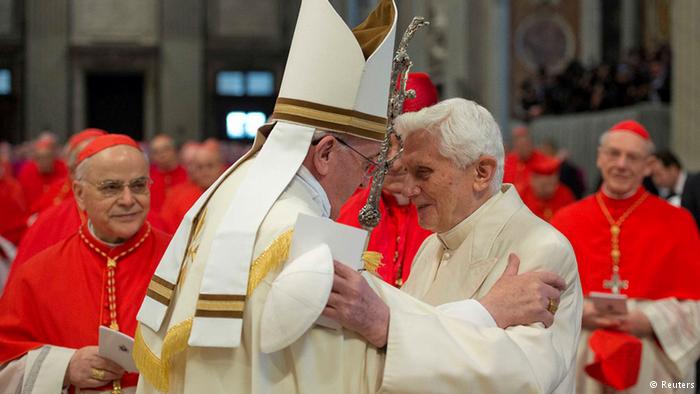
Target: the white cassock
pixel 464 262
pixel 455 355
pixel 670 362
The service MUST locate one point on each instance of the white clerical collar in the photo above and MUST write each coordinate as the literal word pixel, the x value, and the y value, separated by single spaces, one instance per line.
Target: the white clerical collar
pixel 92 232
pixel 453 238
pixel 307 179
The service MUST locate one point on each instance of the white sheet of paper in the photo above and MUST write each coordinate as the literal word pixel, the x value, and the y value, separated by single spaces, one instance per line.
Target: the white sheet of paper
pixel 117 346
pixel 345 242
pixel 614 304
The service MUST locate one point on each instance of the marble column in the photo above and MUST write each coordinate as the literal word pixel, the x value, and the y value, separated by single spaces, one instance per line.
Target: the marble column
pixel 685 117
pixel 591 32
pixel 182 65
pixel 46 72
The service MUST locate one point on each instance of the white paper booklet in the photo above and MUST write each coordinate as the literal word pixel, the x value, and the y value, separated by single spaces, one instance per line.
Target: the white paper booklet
pixel 345 242
pixel 117 346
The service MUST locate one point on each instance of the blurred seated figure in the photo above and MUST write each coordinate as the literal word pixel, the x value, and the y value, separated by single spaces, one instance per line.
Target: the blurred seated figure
pixel 205 167
pixel 42 170
pixel 166 170
pixel 545 194
pixel 569 174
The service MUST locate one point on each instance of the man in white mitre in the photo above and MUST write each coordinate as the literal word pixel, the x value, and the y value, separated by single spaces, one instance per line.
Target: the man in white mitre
pixel 203 326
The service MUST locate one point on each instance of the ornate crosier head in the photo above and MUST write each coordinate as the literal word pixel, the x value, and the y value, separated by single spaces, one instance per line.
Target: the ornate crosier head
pixel 401 65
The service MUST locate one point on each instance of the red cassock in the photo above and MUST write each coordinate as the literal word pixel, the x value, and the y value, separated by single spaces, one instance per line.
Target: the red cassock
pixel 56 224
pixel 13 210
pixel 35 183
pixel 517 171
pixel 397 236
pixel 56 193
pixel 163 181
pixel 545 209
pixel 60 297
pixel 179 200
pixel 659 246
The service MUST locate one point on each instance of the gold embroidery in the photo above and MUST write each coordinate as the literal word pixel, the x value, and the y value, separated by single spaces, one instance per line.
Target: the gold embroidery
pixel 157 369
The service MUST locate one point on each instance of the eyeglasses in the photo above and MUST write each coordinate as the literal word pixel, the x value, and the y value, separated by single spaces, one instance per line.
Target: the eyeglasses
pixel 111 188
pixel 371 165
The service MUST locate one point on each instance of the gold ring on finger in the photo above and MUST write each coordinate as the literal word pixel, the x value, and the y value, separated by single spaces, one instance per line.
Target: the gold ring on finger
pixel 97 374
pixel 553 306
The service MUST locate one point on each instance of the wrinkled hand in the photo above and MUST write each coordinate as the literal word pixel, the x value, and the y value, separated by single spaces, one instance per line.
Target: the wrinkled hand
pixel 356 306
pixel 523 299
pixel 79 372
pixel 593 319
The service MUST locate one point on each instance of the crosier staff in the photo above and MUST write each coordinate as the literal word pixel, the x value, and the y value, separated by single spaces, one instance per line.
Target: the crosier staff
pixel 369 214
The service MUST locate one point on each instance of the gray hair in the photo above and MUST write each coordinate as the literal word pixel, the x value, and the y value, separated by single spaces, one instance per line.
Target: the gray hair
pixel 465 129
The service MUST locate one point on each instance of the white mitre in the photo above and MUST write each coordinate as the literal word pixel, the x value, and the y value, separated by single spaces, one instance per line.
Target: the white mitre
pixel 336 79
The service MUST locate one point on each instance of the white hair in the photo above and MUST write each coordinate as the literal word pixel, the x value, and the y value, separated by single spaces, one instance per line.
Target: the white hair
pixel 465 130
pixel 649 144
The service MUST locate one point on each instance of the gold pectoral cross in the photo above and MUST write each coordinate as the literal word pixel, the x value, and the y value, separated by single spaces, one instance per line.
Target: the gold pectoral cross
pixel 615 283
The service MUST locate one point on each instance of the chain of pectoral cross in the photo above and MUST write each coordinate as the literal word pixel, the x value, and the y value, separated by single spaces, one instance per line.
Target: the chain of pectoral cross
pixel 615 283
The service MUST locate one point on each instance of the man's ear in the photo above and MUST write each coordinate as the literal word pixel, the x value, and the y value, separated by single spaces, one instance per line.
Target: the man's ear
pixel 323 151
pixel 484 171
pixel 79 193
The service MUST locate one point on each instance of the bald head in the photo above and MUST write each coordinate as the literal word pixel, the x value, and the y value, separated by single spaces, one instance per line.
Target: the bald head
pixel 163 152
pixel 112 187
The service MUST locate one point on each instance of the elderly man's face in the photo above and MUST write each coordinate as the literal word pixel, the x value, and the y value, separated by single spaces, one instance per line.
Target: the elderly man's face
pixel 544 186
pixel 163 153
pixel 441 191
pixel 114 191
pixel 44 159
pixel 623 160
pixel 207 166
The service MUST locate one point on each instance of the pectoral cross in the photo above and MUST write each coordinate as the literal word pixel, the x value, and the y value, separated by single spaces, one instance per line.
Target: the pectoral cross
pixel 614 284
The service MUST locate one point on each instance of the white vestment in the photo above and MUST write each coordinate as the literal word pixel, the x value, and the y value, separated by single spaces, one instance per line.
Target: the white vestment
pixel 41 371
pixel 670 362
pixel 324 360
pixel 464 263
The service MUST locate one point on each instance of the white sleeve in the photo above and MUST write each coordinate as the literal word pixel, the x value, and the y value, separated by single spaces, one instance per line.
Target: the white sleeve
pixel 45 369
pixel 676 324
pixel 469 311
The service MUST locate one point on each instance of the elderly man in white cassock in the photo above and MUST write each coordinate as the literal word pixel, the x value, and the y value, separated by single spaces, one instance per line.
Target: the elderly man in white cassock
pixel 203 324
pixel 454 158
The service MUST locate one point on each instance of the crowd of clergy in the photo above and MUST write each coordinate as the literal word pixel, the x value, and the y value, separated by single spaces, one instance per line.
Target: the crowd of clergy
pixel 63 223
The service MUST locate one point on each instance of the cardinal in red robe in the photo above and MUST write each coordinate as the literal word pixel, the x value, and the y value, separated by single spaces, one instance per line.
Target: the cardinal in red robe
pixel 397 236
pixel 632 243
pixel 166 171
pixel 53 305
pixel 13 208
pixel 544 194
pixel 205 166
pixel 518 162
pixel 61 189
pixel 45 168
